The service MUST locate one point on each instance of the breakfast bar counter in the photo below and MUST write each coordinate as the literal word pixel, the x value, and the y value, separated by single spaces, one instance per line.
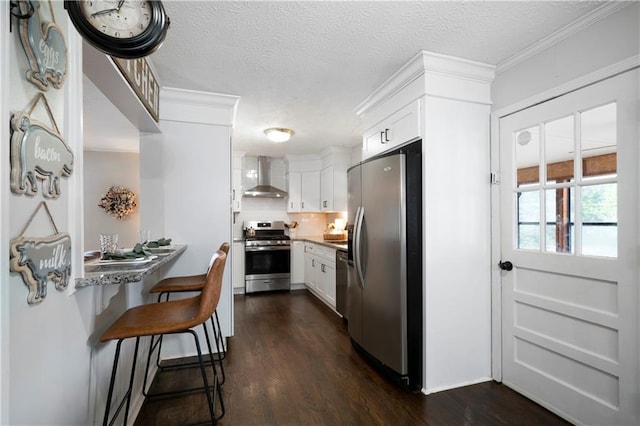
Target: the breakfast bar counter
pixel 122 273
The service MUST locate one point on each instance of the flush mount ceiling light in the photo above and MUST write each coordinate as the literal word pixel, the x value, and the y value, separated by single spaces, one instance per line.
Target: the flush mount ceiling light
pixel 278 134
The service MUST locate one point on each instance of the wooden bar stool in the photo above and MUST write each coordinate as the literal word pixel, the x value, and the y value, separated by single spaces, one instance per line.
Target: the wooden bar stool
pixel 173 317
pixel 192 283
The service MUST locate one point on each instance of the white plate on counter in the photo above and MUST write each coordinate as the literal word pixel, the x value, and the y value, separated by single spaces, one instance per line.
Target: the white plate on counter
pixel 127 262
pixel 161 250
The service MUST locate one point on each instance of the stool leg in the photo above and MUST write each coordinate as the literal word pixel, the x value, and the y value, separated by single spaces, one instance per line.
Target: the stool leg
pixel 218 359
pixel 210 400
pixel 224 349
pixel 217 383
pixel 127 396
pixel 116 357
pixel 146 370
pixel 133 371
pixel 160 338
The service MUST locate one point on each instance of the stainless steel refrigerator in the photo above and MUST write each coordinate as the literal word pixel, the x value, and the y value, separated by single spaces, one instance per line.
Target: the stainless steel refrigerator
pixel 384 291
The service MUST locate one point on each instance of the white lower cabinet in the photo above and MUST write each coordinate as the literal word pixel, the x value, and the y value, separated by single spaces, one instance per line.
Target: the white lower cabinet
pixel 320 272
pixel 237 273
pixel 297 262
pixel 310 266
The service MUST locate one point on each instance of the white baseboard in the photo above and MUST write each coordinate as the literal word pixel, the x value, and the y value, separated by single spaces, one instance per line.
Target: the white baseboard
pixel 298 286
pixel 458 385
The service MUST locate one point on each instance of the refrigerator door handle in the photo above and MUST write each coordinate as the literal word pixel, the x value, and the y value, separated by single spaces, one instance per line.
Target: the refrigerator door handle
pixel 355 236
pixel 358 240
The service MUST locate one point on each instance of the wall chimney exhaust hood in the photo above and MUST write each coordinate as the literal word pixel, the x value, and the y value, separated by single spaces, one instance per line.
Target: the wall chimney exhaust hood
pixel 264 189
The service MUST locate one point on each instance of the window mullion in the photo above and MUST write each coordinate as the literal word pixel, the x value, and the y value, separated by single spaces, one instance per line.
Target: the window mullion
pixel 577 169
pixel 542 174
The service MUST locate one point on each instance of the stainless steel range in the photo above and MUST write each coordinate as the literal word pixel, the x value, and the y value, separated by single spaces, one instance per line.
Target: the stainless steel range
pixel 267 257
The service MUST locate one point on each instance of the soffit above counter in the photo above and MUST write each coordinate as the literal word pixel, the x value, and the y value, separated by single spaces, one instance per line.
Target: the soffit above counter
pixel 103 72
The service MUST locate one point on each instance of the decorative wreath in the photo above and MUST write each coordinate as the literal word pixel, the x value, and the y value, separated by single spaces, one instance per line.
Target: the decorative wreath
pixel 118 201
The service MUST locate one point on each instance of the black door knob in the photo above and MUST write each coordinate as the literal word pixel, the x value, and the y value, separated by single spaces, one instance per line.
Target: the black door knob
pixel 505 266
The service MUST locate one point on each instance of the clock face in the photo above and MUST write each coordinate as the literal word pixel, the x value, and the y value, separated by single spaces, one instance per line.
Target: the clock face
pixel 117 18
pixel 122 28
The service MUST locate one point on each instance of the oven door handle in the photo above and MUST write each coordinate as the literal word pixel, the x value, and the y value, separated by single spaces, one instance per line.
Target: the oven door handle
pixel 268 248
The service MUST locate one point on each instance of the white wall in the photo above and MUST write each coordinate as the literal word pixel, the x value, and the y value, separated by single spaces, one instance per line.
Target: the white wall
pixel 46 347
pixel 456 240
pixel 103 169
pixel 582 53
pixel 186 178
pixel 603 43
pixel 4 218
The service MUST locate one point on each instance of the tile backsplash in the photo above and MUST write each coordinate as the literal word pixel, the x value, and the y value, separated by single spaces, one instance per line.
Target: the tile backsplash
pixel 309 224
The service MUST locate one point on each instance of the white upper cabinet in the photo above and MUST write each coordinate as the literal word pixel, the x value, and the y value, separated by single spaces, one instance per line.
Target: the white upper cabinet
pixel 326 189
pixel 294 192
pixel 318 183
pixel 236 181
pixel 310 190
pixel 398 128
pixel 236 191
pixel 303 190
pixel 333 188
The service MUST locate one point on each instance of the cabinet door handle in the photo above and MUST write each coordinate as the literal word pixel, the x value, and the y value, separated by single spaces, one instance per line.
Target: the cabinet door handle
pixel 386 135
pixel 292 204
pixel 313 263
pixel 303 204
pixel 381 137
pixel 234 194
pixel 322 267
pixel 324 204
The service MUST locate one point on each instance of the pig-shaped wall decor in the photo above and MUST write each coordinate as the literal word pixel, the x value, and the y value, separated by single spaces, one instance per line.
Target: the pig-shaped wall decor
pixel 37 153
pixel 45 47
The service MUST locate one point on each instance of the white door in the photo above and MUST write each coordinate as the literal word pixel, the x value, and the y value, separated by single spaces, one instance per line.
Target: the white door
pixel 569 228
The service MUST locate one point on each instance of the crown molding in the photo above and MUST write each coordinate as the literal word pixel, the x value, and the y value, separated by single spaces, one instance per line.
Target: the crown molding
pixel 570 86
pixel 563 33
pixel 193 106
pixel 432 66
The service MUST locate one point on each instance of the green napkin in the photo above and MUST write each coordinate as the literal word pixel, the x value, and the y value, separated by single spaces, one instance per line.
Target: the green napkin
pixel 136 252
pixel 158 243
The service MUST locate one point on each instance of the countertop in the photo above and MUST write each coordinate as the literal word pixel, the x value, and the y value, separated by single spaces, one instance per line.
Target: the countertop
pixel 122 274
pixel 318 239
pixel 336 244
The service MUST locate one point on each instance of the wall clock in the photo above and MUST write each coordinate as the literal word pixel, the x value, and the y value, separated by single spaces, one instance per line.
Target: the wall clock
pixel 124 29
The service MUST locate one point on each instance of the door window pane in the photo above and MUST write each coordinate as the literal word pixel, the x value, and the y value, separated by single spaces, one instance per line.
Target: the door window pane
pixel 599 142
pixel 600 220
pixel 596 161
pixel 527 143
pixel 528 220
pixel 559 220
pixel 559 149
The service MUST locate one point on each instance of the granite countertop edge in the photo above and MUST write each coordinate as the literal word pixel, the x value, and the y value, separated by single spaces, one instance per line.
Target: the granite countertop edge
pixel 115 276
pixel 317 239
pixel 341 245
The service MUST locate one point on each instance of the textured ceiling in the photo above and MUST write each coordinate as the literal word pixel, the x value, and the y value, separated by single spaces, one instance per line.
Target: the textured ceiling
pixel 306 65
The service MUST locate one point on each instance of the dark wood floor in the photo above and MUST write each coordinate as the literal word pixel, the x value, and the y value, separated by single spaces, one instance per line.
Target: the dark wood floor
pixel 291 363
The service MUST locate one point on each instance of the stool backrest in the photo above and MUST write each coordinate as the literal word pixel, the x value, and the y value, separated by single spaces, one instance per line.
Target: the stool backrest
pixel 224 247
pixel 210 295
